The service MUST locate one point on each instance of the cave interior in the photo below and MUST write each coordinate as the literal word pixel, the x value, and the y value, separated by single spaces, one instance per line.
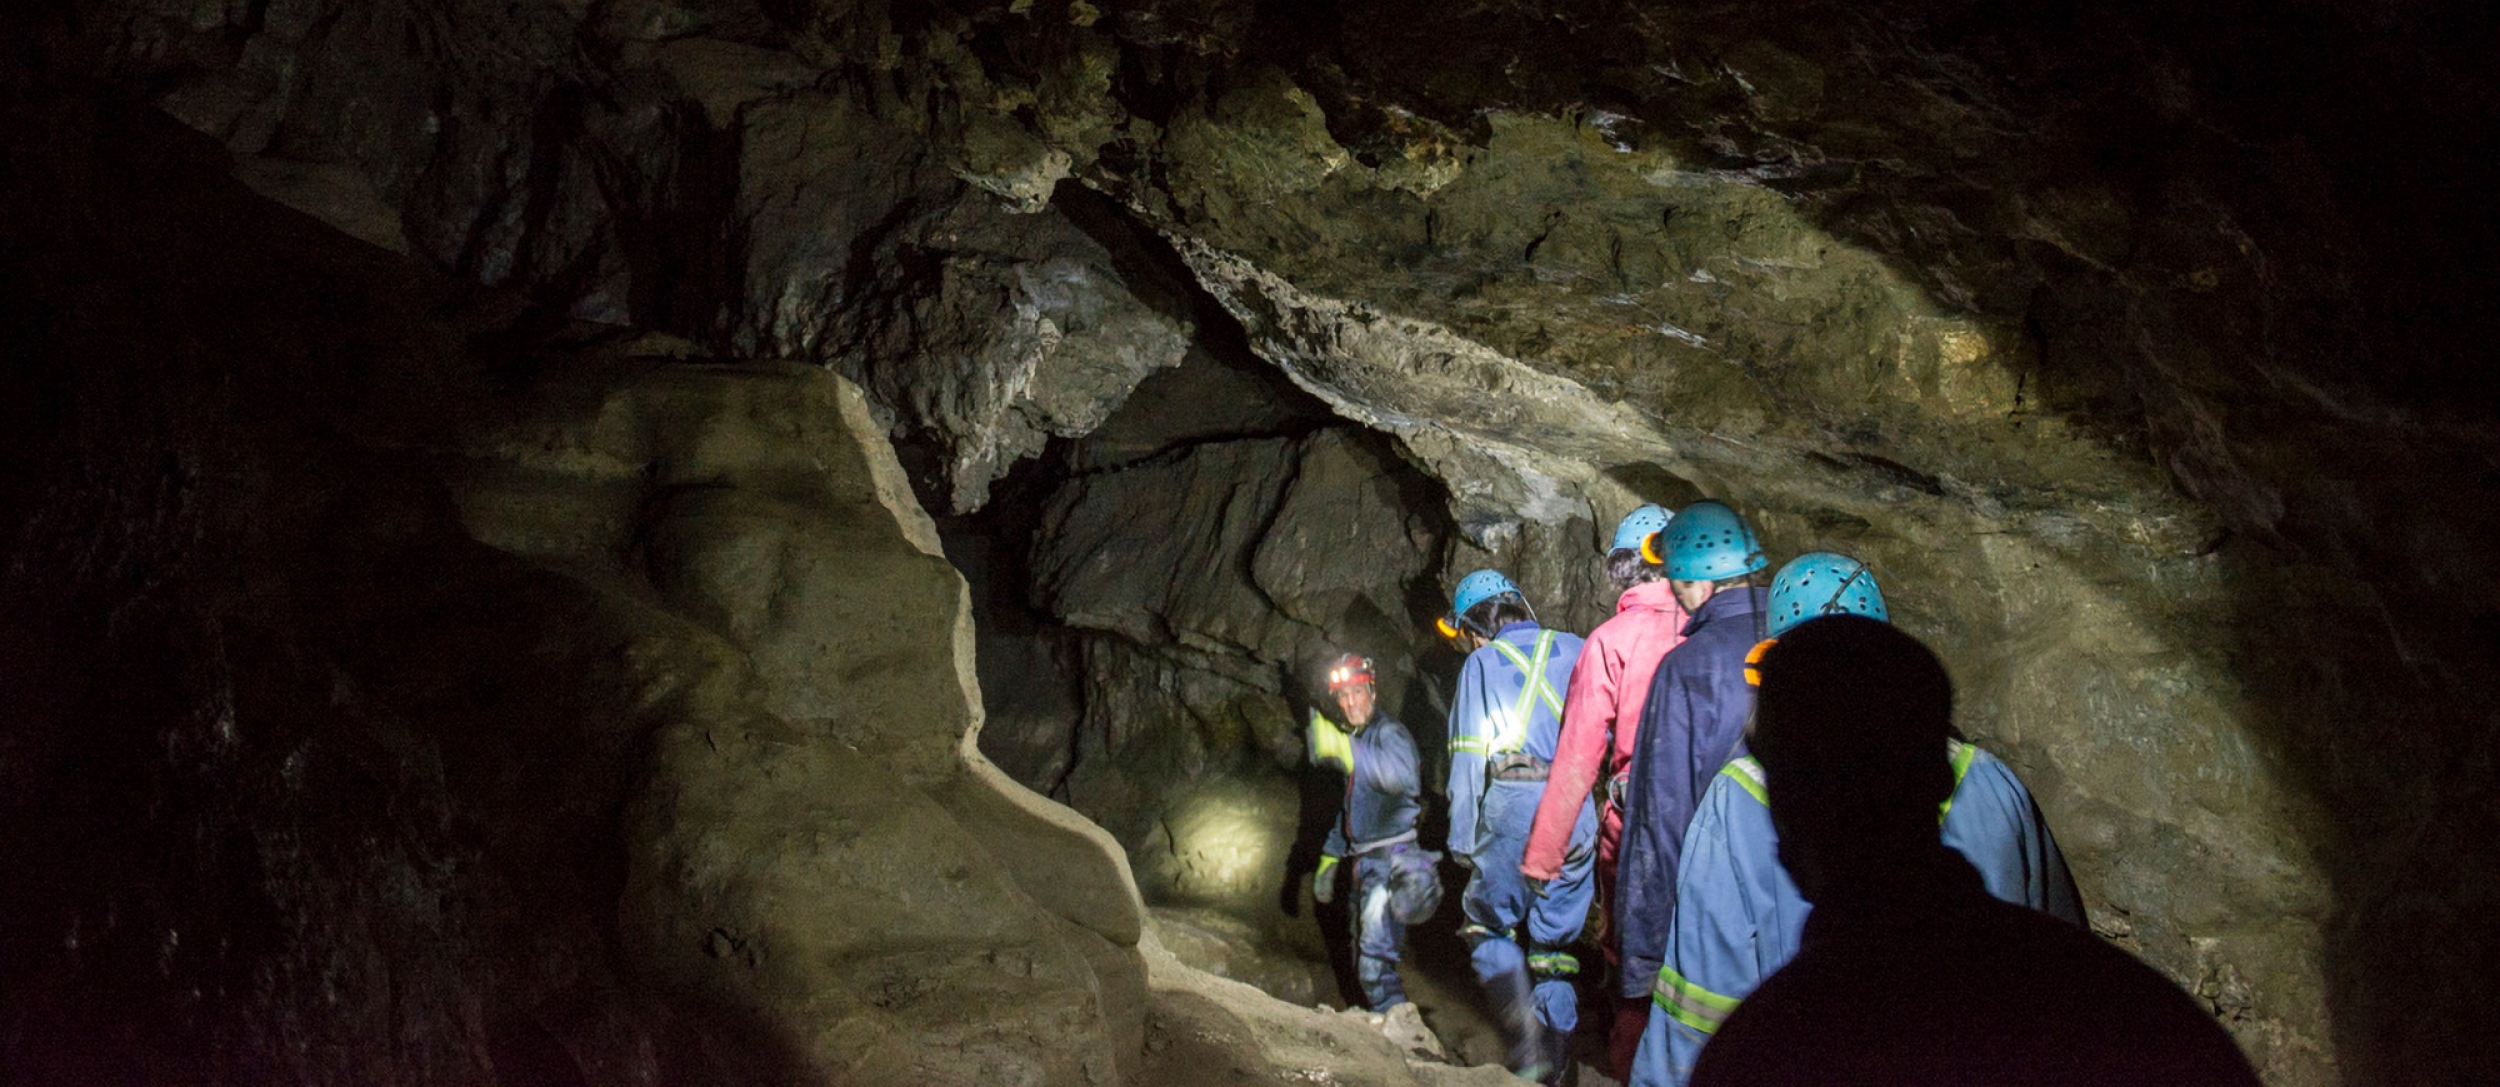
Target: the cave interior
pixel 791 541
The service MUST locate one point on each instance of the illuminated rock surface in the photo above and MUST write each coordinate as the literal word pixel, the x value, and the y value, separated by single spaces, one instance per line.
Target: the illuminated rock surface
pixel 422 639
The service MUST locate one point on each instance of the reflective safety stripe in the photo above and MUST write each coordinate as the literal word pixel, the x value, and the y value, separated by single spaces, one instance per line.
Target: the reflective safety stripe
pixel 1690 1004
pixel 1532 689
pixel 1477 744
pixel 1962 755
pixel 1747 774
pixel 1474 933
pixel 1553 964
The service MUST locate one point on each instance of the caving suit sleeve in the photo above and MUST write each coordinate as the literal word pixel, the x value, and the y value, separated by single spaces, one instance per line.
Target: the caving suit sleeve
pixel 1993 822
pixel 1473 726
pixel 1738 918
pixel 1389 765
pixel 1588 725
pixel 1336 845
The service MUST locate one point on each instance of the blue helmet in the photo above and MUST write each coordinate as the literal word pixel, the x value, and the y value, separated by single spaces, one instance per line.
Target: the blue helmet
pixel 1822 583
pixel 1639 524
pixel 1475 588
pixel 1707 541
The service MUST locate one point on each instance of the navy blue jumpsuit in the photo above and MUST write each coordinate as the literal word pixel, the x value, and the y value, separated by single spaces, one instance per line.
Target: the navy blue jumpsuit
pixel 1696 713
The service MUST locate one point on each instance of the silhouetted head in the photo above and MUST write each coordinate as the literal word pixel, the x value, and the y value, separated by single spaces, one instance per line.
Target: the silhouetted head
pixel 1851 725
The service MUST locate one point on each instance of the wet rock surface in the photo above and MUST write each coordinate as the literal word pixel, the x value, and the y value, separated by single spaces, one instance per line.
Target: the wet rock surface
pixel 2137 349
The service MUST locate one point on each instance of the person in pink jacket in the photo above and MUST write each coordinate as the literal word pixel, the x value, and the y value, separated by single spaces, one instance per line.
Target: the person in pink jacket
pixel 1601 715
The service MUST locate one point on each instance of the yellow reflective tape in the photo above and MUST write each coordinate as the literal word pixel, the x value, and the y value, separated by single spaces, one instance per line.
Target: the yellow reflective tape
pixel 1471 743
pixel 1532 688
pixel 1554 964
pixel 1962 755
pixel 1748 776
pixel 1690 1004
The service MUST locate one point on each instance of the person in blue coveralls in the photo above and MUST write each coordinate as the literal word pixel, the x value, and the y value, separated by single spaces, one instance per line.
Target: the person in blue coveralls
pixel 1395 883
pixel 1503 726
pixel 1738 916
pixel 1695 715
pixel 1909 970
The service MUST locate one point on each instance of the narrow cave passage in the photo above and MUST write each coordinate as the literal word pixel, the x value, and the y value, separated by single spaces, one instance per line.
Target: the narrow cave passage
pixel 484 484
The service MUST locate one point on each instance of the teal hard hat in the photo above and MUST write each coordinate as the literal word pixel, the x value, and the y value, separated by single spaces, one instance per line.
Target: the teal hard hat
pixel 1640 524
pixel 1477 587
pixel 1822 583
pixel 1707 541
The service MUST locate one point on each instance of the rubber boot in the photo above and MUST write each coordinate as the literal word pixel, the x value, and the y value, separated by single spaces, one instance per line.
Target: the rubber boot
pixel 1514 1002
pixel 1556 1045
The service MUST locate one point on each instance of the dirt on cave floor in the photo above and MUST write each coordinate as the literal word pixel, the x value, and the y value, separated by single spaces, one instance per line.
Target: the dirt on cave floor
pixel 1437 973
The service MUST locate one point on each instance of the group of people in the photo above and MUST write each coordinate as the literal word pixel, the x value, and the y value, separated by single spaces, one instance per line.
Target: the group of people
pixel 1712 766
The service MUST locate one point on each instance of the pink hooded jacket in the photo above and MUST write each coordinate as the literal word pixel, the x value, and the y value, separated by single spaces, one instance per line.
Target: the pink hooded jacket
pixel 1601 715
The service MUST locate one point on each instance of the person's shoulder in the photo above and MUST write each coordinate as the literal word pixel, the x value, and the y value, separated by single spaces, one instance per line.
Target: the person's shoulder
pixel 1987 771
pixel 1622 624
pixel 1739 783
pixel 1393 729
pixel 2003 989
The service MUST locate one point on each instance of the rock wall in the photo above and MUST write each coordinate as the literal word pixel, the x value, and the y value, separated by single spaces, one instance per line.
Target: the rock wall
pixel 2134 345
pixel 416 697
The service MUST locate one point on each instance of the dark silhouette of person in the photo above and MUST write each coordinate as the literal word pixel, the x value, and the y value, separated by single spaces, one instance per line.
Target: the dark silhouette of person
pixel 1908 971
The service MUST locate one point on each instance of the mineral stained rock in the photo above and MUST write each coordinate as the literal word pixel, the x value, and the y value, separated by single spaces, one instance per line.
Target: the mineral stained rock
pixel 2135 350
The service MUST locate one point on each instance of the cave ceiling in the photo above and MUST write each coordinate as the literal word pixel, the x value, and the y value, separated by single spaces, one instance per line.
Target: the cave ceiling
pixel 2141 347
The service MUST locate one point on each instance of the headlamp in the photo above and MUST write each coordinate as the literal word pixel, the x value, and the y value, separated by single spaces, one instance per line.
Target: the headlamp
pixel 1349 670
pixel 1649 549
pixel 1753 661
pixel 1448 630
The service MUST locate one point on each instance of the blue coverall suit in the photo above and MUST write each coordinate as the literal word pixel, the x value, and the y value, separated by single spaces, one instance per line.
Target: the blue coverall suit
pixel 1502 732
pixel 1696 713
pixel 1738 918
pixel 1377 829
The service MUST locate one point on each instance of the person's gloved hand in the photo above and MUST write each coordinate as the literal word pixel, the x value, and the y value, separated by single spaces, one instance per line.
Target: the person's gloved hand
pixel 1324 881
pixel 1329 745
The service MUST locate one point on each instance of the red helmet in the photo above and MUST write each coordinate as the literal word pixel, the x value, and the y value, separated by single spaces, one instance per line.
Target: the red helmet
pixel 1349 670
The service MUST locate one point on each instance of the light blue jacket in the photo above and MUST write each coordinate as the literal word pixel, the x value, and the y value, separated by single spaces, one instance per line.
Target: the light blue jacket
pixel 1738 917
pixel 1499 712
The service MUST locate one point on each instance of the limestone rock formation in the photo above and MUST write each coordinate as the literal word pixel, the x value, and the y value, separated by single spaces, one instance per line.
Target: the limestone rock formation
pixel 1219 578
pixel 2134 345
pixel 793 862
pixel 616 730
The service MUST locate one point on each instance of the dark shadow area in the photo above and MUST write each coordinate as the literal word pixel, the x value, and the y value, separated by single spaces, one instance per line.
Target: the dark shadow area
pixel 302 784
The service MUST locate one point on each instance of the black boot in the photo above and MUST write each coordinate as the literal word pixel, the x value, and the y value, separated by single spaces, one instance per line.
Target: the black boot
pixel 1556 1048
pixel 1514 1001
